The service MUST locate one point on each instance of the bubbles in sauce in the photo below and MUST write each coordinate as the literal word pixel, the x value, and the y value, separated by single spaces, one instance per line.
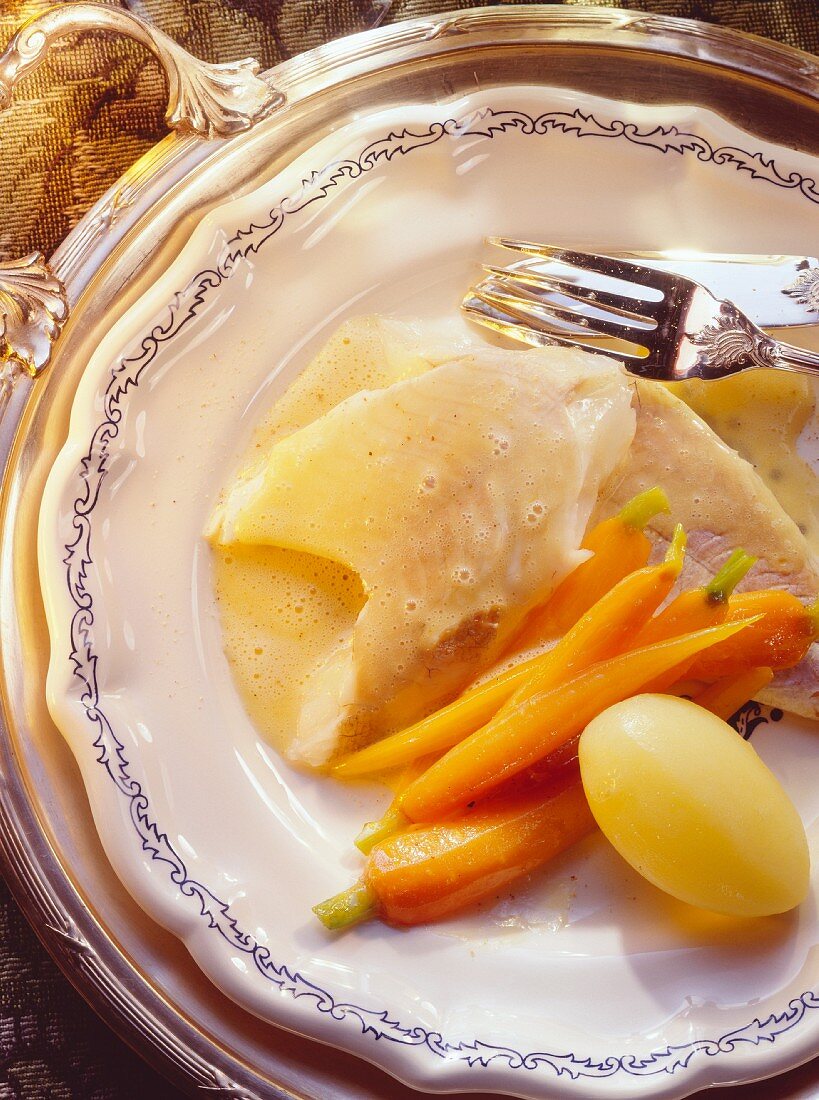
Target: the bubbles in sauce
pixel 346 488
pixel 283 612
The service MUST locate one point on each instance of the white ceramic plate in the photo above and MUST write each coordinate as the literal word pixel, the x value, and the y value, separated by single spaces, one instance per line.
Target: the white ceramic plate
pixel 586 982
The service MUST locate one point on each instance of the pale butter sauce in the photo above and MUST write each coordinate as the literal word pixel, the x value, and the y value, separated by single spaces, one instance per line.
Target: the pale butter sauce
pixel 284 612
pixel 761 414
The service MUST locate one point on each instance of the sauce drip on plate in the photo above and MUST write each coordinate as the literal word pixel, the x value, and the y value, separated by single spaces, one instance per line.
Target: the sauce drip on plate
pixel 761 414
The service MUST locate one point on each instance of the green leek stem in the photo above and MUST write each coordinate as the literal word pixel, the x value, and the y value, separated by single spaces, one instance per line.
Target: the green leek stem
pixel 351 906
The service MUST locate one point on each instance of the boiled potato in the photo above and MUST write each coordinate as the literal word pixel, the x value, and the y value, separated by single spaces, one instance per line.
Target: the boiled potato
pixel 689 804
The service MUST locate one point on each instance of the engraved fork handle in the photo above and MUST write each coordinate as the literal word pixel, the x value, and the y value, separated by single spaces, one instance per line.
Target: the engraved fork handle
pixel 203 99
pixel 787 357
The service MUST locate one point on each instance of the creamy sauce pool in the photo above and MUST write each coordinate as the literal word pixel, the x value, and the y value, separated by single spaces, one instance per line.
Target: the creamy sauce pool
pixel 761 414
pixel 283 612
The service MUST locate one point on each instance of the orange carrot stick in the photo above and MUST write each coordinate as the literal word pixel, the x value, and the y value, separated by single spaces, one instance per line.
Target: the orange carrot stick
pixel 542 723
pixel 618 546
pixel 556 768
pixel 697 608
pixel 441 730
pixel 610 626
pixel 426 874
pixel 780 638
pixel 602 632
pixel 725 697
pixel 392 820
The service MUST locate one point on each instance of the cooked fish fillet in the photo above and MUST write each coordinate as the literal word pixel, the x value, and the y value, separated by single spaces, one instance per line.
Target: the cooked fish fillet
pixel 459 496
pixel 723 504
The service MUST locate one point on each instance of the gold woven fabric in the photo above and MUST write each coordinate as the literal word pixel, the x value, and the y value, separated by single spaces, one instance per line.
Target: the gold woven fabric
pixel 98 103
pixel 76 125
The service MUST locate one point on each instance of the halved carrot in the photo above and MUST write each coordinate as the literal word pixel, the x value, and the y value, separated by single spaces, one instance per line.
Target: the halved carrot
pixel 602 632
pixel 542 723
pixel 428 873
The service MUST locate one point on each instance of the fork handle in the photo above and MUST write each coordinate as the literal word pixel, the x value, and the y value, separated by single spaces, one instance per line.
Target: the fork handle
pixel 787 357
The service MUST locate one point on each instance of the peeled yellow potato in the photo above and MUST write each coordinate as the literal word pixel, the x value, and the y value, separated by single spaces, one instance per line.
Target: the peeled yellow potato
pixel 691 806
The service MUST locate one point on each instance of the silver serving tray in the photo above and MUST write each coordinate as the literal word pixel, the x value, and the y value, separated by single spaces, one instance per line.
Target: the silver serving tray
pixel 232 130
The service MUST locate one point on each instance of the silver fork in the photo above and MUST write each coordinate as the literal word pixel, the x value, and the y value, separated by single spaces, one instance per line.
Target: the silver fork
pixel 662 326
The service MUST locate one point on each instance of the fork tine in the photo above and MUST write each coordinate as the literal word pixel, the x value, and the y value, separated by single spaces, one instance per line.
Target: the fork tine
pixel 611 266
pixel 524 332
pixel 522 327
pixel 551 284
pixel 517 303
pixel 520 282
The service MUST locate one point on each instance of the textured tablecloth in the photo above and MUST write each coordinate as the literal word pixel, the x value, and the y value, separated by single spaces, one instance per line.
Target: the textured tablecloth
pixel 76 126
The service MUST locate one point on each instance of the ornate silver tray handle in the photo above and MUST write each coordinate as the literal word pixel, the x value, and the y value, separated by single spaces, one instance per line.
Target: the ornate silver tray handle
pixel 211 101
pixel 33 310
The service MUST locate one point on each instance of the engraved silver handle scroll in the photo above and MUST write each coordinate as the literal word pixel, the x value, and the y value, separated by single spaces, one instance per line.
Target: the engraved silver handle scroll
pixel 33 310
pixel 203 99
